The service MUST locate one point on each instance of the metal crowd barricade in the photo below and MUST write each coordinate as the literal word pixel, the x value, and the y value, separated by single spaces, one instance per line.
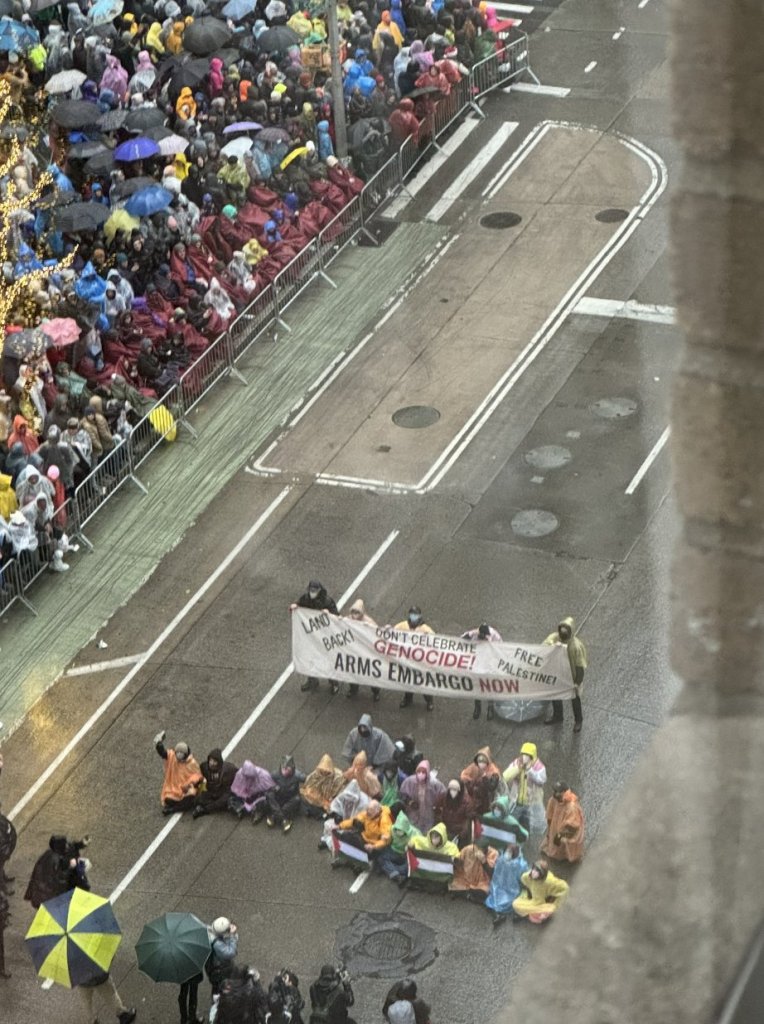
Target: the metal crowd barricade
pixel 380 189
pixel 501 68
pixel 251 322
pixel 158 425
pixel 295 277
pixel 11 588
pixel 340 230
pixel 100 486
pixel 203 374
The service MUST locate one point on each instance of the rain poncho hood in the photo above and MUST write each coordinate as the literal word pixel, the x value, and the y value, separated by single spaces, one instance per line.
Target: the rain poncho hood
pixel 403 832
pixel 576 648
pixel 322 784
pixel 425 843
pixel 251 781
pixel 377 746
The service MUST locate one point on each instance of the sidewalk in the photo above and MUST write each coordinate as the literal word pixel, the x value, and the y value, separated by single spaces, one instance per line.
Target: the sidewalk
pixel 133 533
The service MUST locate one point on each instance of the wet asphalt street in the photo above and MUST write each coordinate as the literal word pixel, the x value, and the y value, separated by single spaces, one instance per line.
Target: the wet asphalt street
pixel 556 503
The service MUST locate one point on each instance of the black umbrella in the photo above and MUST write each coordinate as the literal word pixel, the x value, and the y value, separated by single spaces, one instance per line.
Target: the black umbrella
pixel 75 113
pixel 274 134
pixel 80 217
pixel 205 35
pixel 143 118
pixel 190 75
pixel 111 120
pixel 126 188
pixel 58 197
pixel 87 149
pixel 158 133
pixel 423 90
pixel 101 163
pixel 277 39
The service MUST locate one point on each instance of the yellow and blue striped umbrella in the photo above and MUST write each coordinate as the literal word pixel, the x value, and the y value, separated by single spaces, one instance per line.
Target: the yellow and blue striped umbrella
pixel 73 938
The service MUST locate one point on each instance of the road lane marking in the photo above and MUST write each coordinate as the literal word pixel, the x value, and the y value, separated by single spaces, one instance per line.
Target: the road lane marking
pixel 103 666
pixel 642 3
pixel 524 150
pixel 472 170
pixel 359 882
pixel 620 32
pixel 654 453
pixel 630 310
pixel 239 735
pixel 590 66
pixel 164 635
pixel 418 182
pixel 515 8
pixel 539 90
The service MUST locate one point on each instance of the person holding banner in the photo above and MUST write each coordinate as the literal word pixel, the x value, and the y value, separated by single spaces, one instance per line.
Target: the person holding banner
pixel 316 597
pixel 565 635
pixel 414 623
pixel 357 612
pixel 544 893
pixel 526 777
pixel 564 838
pixel 483 632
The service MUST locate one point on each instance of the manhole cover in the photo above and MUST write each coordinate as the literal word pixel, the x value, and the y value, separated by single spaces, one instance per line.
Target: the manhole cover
pixel 413 417
pixel 548 456
pixel 500 220
pixel 611 215
pixel 385 945
pixel 614 408
pixel 388 944
pixel 534 522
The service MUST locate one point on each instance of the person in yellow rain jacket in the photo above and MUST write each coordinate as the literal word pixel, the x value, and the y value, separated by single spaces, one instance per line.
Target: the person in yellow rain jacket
pixel 435 841
pixel 174 42
pixel 8 502
pixel 376 826
pixel 414 623
pixel 543 893
pixel 565 634
pixel 185 105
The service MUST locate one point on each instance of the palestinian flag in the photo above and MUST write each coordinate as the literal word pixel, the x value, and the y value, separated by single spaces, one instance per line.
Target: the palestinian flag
pixel 345 848
pixel 429 866
pixel 490 831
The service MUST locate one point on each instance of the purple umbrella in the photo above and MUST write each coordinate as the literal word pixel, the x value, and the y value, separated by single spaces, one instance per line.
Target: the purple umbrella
pixel 242 126
pixel 136 149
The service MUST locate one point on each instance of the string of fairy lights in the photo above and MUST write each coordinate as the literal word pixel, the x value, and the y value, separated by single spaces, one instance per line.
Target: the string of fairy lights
pixel 17 292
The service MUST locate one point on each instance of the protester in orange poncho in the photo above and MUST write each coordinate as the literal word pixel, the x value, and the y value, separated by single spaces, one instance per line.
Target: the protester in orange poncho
pixel 321 786
pixel 564 838
pixel 182 776
pixel 364 775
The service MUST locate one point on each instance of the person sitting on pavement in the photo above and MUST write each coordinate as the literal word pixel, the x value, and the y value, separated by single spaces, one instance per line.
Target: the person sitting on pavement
pixel 316 597
pixel 434 841
pixel 218 777
pixel 508 869
pixel 373 740
pixel 472 876
pixel 374 825
pixel 414 623
pixel 526 777
pixel 455 809
pixel 391 860
pixel 364 775
pixel 406 755
pixel 564 839
pixel 283 800
pixel 320 787
pixel 401 1012
pixel 249 789
pixel 406 991
pixel 224 945
pixel 542 894
pixel 348 802
pixel 483 780
pixel 391 778
pixel 357 612
pixel 331 996
pixel 483 632
pixel 181 776
pixel 419 794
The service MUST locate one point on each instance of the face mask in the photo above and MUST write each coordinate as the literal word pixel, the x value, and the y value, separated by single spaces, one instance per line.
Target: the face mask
pixel 482 763
pixel 363 731
pixel 414 621
pixel 313 594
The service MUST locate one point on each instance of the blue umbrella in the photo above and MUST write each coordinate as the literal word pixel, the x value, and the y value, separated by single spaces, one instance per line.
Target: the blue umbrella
pixel 148 200
pixel 14 36
pixel 238 9
pixel 136 149
pixel 104 11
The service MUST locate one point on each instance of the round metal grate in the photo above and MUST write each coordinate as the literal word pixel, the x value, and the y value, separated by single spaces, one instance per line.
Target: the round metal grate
pixel 611 215
pixel 500 221
pixel 534 522
pixel 548 456
pixel 385 945
pixel 388 944
pixel 414 417
pixel 614 408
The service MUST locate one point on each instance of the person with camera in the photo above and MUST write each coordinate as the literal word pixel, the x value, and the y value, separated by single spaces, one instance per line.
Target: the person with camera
pixel 331 996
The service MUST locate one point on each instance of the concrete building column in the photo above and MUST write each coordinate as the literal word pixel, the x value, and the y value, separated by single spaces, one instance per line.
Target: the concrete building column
pixel 663 910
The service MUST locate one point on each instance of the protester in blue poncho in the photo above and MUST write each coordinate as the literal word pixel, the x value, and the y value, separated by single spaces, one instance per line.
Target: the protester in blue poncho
pixel 505 883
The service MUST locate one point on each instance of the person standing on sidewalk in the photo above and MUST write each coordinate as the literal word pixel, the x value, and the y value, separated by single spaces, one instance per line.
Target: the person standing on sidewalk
pixel 414 623
pixel 483 632
pixel 316 598
pixel 565 635
pixel 100 996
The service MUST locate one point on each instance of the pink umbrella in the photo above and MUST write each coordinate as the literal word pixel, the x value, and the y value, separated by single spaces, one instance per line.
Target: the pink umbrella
pixel 61 330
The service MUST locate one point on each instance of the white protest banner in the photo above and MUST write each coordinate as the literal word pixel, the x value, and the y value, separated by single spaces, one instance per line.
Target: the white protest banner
pixel 330 647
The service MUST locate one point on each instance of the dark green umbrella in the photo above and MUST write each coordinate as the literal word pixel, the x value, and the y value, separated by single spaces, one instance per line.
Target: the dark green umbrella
pixel 173 948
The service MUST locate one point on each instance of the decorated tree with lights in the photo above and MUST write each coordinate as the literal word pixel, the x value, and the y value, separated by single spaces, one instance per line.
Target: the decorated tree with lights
pixel 29 262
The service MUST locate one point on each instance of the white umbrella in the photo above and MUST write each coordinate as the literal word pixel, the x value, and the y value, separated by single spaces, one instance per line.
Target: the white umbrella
pixel 64 81
pixel 172 144
pixel 237 147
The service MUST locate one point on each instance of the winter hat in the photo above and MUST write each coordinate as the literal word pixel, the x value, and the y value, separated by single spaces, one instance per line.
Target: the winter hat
pixel 181 749
pixel 401 1012
pixel 221 925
